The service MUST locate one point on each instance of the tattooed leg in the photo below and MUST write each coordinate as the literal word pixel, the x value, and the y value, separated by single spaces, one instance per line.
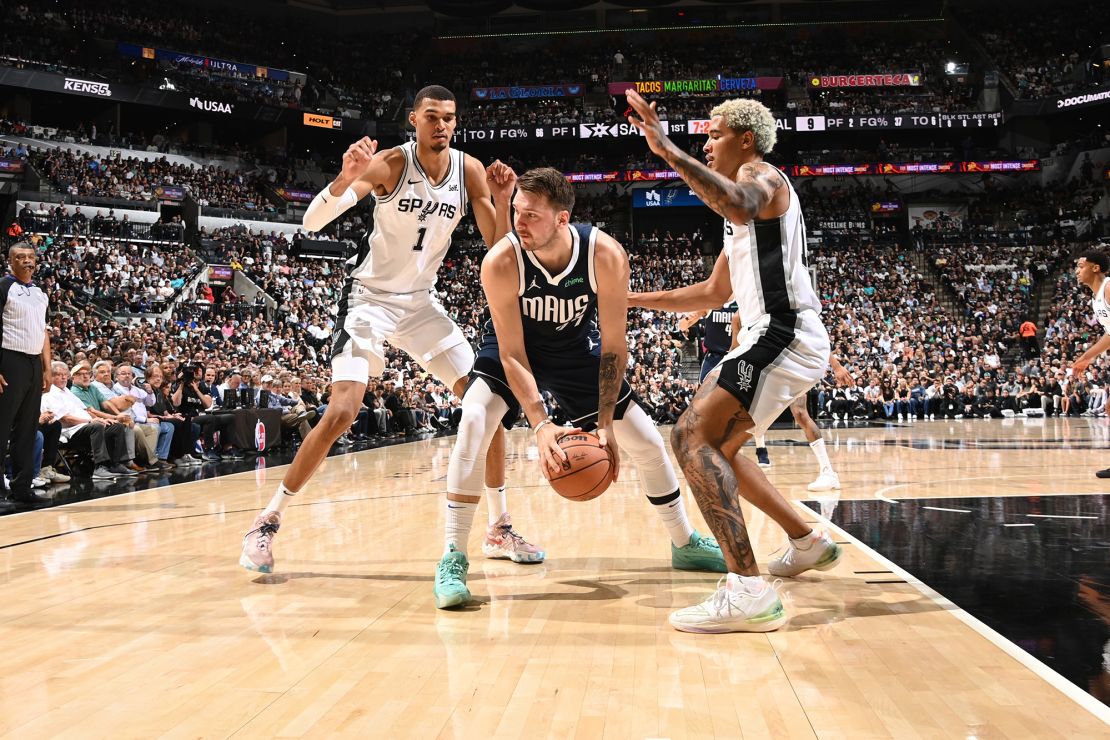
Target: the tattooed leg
pixel 696 441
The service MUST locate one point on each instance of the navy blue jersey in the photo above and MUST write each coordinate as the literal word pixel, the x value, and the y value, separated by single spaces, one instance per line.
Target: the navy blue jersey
pixel 718 329
pixel 558 312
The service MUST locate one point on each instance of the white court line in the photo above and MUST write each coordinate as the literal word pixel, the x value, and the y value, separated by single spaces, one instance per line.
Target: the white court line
pixel 1030 524
pixel 1063 685
pixel 1061 516
pixel 878 494
pixel 941 508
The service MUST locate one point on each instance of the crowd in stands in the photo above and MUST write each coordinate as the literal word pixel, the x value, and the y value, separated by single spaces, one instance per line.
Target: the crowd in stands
pixel 80 174
pixel 346 76
pixel 119 275
pixel 1044 50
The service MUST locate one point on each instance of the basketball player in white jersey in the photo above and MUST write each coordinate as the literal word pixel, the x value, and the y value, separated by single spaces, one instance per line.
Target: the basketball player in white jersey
pixel 827 479
pixel 1093 270
pixel 783 355
pixel 421 191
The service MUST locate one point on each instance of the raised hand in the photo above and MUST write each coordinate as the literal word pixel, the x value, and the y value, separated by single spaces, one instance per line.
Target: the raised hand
pixel 648 123
pixel 501 179
pixel 358 158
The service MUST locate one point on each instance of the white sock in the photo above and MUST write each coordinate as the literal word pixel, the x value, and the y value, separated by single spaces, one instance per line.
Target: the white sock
pixel 822 455
pixel 280 499
pixel 760 441
pixel 460 517
pixel 805 541
pixel 495 504
pixel 673 513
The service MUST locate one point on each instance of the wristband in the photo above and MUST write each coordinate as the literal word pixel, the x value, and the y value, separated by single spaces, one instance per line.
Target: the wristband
pixel 545 421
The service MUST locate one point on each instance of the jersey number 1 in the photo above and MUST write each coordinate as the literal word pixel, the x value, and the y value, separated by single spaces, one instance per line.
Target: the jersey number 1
pixel 419 247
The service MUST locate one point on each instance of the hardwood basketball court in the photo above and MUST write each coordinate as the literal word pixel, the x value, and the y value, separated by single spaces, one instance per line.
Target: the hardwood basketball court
pixel 130 617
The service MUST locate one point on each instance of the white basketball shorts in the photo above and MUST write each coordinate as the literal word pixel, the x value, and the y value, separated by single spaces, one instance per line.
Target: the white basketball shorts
pixel 779 358
pixel 413 322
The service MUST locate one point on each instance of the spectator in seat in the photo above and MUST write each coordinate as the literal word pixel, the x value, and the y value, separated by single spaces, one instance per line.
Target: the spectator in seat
pixel 154 433
pixel 102 438
pixel 103 406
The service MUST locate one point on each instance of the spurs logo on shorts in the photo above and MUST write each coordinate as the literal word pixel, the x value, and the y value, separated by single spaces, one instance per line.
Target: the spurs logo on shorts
pixel 744 373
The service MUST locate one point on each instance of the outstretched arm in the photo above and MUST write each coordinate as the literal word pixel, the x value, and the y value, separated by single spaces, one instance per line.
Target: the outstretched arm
pixel 709 293
pixel 738 201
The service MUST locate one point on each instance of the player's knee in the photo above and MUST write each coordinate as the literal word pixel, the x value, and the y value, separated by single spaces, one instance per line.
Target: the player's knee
pixel 685 436
pixel 341 415
pixel 473 423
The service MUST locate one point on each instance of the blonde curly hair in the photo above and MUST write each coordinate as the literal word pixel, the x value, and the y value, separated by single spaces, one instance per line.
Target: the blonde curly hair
pixel 745 114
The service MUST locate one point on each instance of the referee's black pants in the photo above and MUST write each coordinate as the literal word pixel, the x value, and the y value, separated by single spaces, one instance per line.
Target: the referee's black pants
pixel 19 414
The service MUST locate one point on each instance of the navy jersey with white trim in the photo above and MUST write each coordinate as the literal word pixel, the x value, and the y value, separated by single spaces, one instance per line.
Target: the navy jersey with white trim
pixel 559 312
pixel 718 329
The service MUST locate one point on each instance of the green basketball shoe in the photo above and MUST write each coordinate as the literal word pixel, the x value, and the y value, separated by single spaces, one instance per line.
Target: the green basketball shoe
pixel 700 553
pixel 450 588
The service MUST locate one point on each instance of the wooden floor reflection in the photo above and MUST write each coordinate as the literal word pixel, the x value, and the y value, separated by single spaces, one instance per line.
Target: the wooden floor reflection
pixel 129 616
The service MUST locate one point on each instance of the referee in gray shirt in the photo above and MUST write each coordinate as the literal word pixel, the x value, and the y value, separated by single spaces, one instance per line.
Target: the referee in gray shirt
pixel 24 369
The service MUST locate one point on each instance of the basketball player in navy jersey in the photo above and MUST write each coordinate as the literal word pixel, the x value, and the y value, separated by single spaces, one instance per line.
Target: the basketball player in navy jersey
pixel 784 354
pixel 421 191
pixel 1093 270
pixel 549 285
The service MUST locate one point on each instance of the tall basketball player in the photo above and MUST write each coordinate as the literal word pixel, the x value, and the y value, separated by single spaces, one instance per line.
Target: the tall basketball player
pixel 421 191
pixel 1093 270
pixel 783 355
pixel 549 285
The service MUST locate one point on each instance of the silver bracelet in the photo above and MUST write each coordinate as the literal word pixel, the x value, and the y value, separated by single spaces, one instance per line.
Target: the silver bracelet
pixel 545 421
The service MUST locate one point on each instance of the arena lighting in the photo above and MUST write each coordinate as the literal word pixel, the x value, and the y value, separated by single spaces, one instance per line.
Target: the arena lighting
pixel 791 24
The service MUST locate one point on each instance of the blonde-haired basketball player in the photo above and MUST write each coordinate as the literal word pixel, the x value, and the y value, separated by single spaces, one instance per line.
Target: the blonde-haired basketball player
pixel 421 191
pixel 783 355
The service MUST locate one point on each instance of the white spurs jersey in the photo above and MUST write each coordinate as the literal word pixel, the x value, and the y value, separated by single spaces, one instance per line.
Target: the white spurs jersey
pixel 767 264
pixel 1100 307
pixel 412 227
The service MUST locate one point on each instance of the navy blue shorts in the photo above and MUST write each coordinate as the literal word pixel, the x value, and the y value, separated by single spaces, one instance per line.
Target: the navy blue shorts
pixel 570 377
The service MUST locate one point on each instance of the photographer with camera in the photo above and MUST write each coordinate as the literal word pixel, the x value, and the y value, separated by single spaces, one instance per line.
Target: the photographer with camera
pixel 191 401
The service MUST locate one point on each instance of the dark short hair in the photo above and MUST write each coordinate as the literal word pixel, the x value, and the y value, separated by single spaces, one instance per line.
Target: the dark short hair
pixel 21 245
pixel 1097 257
pixel 551 183
pixel 432 92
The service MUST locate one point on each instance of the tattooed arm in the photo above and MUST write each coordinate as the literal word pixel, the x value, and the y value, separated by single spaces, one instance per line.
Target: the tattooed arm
pixel 611 267
pixel 708 294
pixel 738 201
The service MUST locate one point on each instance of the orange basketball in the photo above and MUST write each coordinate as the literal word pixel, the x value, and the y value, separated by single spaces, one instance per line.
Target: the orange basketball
pixel 589 468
